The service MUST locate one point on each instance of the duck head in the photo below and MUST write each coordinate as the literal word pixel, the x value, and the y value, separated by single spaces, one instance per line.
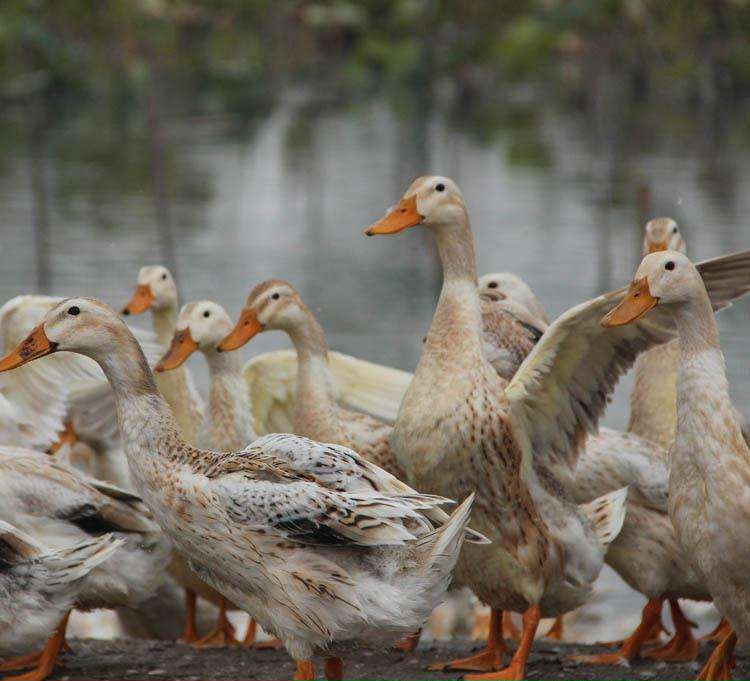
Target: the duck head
pixel 663 234
pixel 155 290
pixel 201 325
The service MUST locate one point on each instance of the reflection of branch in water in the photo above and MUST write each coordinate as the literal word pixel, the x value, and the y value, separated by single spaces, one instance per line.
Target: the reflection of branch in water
pixel 159 180
pixel 39 195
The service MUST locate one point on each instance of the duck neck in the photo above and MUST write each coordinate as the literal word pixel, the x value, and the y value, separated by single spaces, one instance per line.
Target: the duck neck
pixel 704 408
pixel 228 403
pixel 455 334
pixel 164 320
pixel 316 413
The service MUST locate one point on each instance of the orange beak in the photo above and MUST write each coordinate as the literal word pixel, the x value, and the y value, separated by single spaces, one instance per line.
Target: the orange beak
pixel 636 303
pixel 181 348
pixel 654 246
pixel 247 327
pixel 403 216
pixel 36 345
pixel 141 300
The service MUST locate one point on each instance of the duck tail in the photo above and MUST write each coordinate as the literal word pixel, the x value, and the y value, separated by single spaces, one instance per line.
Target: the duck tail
pixel 444 544
pixel 607 514
pixel 75 562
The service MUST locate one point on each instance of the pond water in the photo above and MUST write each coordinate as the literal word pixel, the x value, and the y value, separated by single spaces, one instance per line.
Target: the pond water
pixel 557 196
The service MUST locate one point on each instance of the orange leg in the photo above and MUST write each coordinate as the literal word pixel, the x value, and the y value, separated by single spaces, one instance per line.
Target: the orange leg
pixel 191 627
pixel 334 669
pixel 720 664
pixel 48 657
pixel 273 643
pixel 556 630
pixel 252 628
pixel 305 671
pixel 682 647
pixel 489 659
pixel 510 630
pixel 223 635
pixel 653 636
pixel 409 642
pixel 516 670
pixel 719 633
pixel 633 644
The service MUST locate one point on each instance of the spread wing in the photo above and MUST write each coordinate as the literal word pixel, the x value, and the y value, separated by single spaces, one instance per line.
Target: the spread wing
pixel 560 391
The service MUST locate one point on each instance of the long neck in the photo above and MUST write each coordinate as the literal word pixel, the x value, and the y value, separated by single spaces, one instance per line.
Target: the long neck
pixel 316 413
pixel 164 320
pixel 228 422
pixel 455 335
pixel 705 413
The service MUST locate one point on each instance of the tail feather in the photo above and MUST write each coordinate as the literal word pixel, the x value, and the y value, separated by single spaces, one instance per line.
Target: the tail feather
pixel 607 514
pixel 75 562
pixel 444 544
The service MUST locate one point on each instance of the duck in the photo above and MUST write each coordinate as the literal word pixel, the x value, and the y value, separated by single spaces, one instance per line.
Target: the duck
pixel 509 286
pixel 156 291
pixel 276 304
pixel 40 586
pixel 58 505
pixel 462 428
pixel 710 459
pixel 324 549
pixel 227 423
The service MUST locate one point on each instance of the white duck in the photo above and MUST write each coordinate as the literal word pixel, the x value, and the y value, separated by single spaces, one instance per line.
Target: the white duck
pixel 322 548
pixel 275 304
pixel 228 422
pixel 710 460
pixel 59 506
pixel 39 587
pixel 463 428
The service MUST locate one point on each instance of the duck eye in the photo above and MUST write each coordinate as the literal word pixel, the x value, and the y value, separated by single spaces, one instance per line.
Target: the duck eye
pixel 275 296
pixel 669 265
pixel 164 277
pixel 206 314
pixel 440 187
pixel 492 284
pixel 674 229
pixel 75 310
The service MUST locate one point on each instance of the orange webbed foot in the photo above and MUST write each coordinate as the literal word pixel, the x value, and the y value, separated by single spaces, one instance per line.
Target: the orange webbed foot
pixel 305 671
pixel 408 643
pixel 223 635
pixel 722 661
pixel 489 660
pixel 271 644
pixel 682 647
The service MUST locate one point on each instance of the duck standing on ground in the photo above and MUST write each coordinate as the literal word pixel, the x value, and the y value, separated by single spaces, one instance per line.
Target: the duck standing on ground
pixel 324 549
pixel 710 460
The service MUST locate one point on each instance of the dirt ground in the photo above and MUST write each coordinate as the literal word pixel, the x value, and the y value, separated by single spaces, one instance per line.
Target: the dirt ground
pixel 132 660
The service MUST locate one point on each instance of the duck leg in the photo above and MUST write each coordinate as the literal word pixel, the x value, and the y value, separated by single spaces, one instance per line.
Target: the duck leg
pixel 334 669
pixel 720 664
pixel 719 633
pixel 45 661
pixel 682 647
pixel 273 643
pixel 191 627
pixel 305 671
pixel 252 629
pixel 223 635
pixel 510 630
pixel 409 642
pixel 490 659
pixel 632 645
pixel 653 636
pixel 556 631
pixel 516 670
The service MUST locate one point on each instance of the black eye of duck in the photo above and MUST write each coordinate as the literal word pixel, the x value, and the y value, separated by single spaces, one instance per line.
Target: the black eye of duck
pixel 275 296
pixel 669 265
pixel 75 310
pixel 492 284
pixel 206 314
pixel 440 187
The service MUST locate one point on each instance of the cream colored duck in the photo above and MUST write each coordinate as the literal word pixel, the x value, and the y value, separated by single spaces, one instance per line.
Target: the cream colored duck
pixel 40 586
pixel 156 291
pixel 228 423
pixel 463 428
pixel 509 286
pixel 275 304
pixel 323 548
pixel 710 460
pixel 60 507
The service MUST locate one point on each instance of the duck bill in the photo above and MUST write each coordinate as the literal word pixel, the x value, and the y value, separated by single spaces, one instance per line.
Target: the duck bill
pixel 247 327
pixel 36 345
pixel 403 216
pixel 656 246
pixel 141 300
pixel 636 303
pixel 181 348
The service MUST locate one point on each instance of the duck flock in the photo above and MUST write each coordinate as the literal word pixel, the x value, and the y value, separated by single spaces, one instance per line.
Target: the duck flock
pixel 336 501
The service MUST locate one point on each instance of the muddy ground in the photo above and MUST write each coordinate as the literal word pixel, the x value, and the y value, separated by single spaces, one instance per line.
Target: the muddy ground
pixel 131 660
